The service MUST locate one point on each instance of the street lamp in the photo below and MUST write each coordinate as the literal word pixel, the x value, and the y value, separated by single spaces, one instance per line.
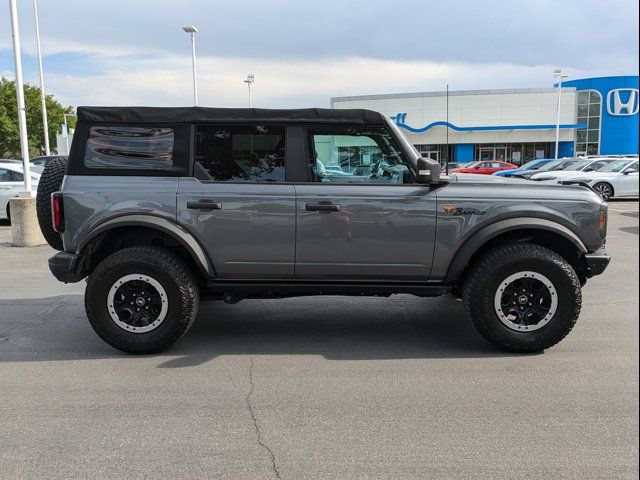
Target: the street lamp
pixel 559 76
pixel 22 116
pixel 250 80
pixel 43 100
pixel 192 30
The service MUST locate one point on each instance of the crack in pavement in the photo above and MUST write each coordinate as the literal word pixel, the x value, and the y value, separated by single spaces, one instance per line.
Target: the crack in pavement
pixel 259 438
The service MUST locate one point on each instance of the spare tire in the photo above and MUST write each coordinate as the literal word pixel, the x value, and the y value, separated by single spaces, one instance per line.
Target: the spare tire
pixel 50 181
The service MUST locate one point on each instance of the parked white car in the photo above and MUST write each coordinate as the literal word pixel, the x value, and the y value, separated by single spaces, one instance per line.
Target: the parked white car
pixel 618 179
pixel 586 165
pixel 12 183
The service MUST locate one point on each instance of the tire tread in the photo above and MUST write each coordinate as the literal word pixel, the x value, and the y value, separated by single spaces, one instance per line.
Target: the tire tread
pixel 491 262
pixel 175 266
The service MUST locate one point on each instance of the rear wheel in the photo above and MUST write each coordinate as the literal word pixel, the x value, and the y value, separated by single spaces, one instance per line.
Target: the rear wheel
pixel 142 299
pixel 522 297
pixel 50 181
pixel 603 189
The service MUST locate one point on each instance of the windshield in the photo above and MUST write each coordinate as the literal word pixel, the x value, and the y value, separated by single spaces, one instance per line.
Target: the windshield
pixel 553 165
pixel 528 165
pixel 615 166
pixel 577 166
pixel 406 144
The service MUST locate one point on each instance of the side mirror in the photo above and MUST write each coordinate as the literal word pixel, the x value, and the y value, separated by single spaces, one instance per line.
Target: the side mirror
pixel 631 170
pixel 590 169
pixel 428 171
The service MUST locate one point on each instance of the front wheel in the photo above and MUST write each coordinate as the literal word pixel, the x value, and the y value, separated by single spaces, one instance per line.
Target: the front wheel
pixel 604 190
pixel 142 299
pixel 522 297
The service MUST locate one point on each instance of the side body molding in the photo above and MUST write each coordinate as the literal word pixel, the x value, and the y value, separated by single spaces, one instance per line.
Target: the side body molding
pixel 464 254
pixel 158 223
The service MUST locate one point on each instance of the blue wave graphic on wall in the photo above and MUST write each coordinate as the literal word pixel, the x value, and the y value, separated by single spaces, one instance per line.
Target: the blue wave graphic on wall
pixel 400 120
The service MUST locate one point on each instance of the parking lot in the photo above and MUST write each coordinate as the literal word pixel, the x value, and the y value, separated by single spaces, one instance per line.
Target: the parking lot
pixel 318 387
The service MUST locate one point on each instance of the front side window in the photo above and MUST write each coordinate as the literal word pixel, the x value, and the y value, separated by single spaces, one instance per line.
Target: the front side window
pixel 356 155
pixel 131 148
pixel 241 153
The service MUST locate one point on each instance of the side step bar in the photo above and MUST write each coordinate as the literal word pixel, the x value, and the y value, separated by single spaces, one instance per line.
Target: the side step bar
pixel 233 291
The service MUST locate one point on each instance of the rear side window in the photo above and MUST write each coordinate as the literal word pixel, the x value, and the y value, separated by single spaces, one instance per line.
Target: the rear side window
pixel 240 153
pixel 133 148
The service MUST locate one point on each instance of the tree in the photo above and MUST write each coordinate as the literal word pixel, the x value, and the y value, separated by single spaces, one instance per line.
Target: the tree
pixel 9 132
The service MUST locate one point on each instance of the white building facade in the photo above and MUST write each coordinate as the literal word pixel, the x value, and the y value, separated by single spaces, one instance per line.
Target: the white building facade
pixel 514 125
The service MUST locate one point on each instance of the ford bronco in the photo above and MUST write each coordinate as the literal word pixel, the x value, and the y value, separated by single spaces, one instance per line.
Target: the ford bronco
pixel 160 208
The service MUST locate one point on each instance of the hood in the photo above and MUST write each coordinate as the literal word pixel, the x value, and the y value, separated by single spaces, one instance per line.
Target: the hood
pixel 477 178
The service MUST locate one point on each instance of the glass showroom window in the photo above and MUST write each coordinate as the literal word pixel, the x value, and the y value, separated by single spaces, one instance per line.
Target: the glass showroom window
pixel 589 112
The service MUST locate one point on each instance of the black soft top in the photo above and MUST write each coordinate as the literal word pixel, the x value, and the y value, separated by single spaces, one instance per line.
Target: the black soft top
pixel 225 115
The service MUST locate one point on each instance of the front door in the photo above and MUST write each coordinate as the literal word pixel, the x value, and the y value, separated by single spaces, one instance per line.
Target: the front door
pixel 368 222
pixel 237 203
pixel 486 154
pixel 500 154
pixel 628 182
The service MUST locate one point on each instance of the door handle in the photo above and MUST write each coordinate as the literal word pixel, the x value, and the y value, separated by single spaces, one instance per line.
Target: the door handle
pixel 204 205
pixel 322 207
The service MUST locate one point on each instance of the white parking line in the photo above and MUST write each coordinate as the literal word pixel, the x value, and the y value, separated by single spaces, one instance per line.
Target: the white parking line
pixel 624 211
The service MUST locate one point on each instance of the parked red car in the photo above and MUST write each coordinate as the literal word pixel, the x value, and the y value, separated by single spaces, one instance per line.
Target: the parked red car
pixel 485 168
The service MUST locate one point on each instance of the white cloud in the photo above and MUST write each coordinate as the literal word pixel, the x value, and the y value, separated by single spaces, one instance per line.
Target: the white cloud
pixel 167 81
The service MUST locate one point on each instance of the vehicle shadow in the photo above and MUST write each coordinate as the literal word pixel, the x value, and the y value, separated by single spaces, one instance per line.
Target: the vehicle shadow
pixel 337 328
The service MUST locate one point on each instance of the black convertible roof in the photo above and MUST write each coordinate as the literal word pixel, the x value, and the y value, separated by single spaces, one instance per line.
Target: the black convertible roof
pixel 225 115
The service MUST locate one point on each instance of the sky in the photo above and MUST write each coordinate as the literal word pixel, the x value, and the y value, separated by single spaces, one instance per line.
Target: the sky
pixel 304 52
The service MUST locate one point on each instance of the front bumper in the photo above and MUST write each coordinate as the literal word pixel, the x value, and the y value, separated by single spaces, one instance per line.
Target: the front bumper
pixel 67 267
pixel 597 262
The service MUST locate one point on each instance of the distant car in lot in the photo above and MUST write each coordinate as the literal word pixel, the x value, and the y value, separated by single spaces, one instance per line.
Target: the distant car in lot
pixel 37 161
pixel 532 166
pixel 450 166
pixel 555 165
pixel 485 168
pixel 618 179
pixel 587 165
pixel 11 184
pixel 42 161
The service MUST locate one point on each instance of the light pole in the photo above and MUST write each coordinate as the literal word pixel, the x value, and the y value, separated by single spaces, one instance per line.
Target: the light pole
pixel 250 80
pixel 22 116
pixel 43 99
pixel 559 76
pixel 192 30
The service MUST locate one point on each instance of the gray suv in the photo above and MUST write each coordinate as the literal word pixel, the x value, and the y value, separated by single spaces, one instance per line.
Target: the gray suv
pixel 163 207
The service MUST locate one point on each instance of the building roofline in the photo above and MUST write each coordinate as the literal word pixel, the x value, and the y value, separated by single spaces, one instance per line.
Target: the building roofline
pixel 497 91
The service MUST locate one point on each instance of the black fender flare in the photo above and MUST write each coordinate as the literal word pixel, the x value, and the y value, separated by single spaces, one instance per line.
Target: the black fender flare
pixel 468 249
pixel 197 252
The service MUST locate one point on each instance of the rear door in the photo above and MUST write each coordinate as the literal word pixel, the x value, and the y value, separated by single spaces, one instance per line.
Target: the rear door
pixel 237 202
pixel 360 216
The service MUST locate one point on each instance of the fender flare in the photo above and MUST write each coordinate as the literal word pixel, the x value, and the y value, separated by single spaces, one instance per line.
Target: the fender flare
pixel 468 249
pixel 164 225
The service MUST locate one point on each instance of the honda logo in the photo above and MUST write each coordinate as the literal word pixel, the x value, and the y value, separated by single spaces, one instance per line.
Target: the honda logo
pixel 622 101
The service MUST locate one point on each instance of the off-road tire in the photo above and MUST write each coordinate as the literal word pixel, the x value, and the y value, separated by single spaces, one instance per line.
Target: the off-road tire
pixel 170 271
pixel 493 267
pixel 50 182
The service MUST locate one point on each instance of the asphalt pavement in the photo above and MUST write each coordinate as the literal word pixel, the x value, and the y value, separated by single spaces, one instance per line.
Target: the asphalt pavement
pixel 331 388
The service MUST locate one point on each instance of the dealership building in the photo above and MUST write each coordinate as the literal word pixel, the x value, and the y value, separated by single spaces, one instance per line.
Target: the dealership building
pixel 598 116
